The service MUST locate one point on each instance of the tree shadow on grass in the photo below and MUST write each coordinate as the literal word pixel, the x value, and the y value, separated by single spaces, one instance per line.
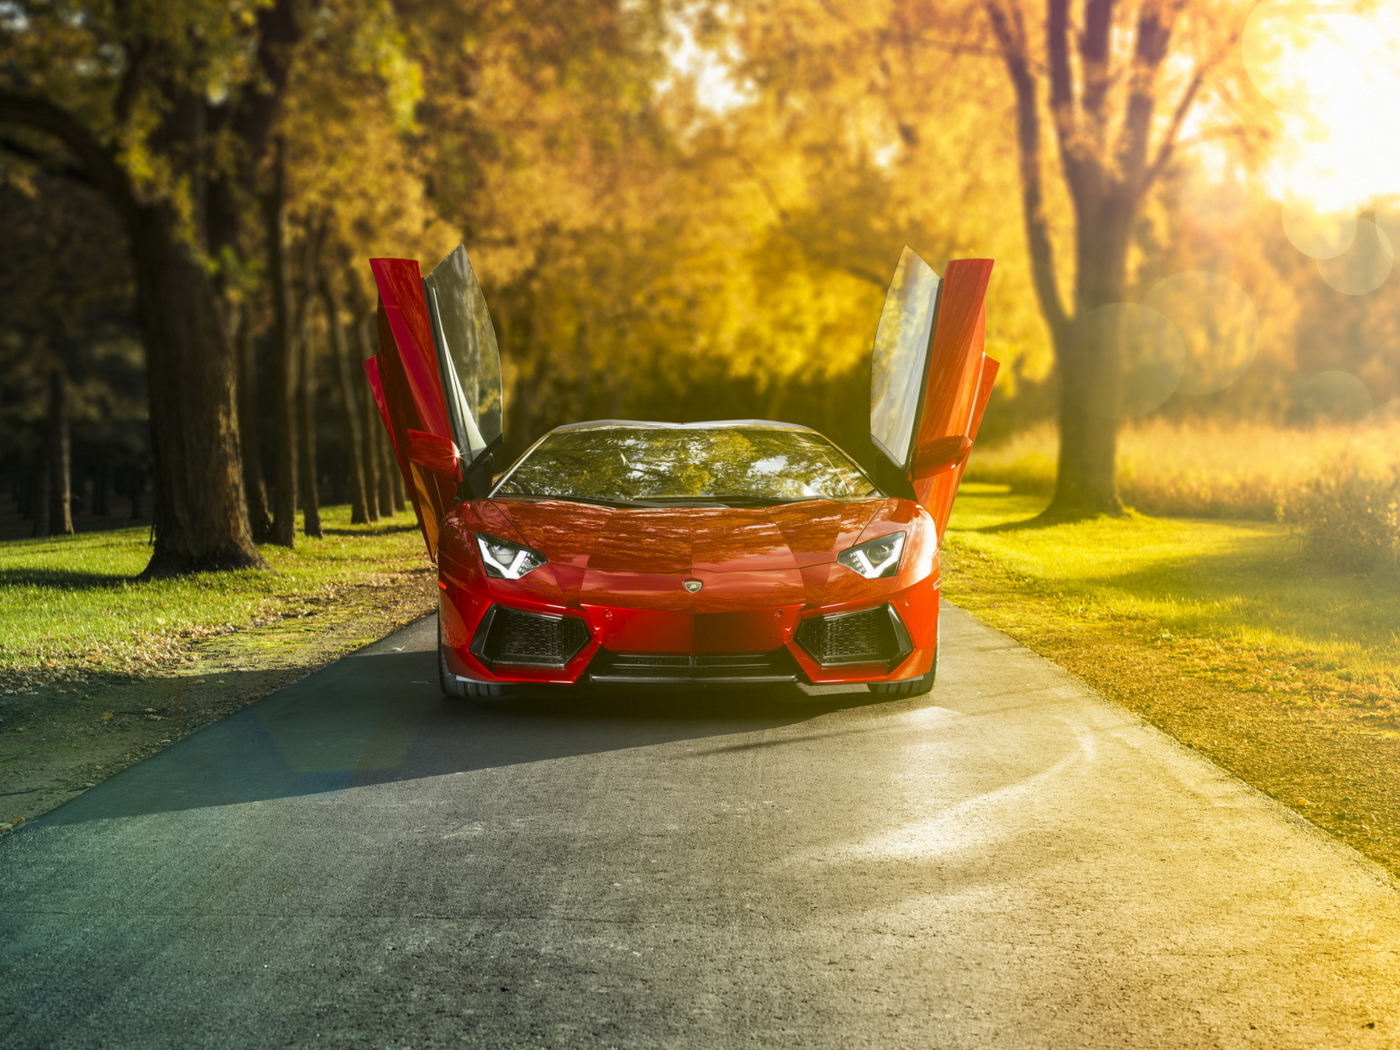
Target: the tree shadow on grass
pixel 1025 525
pixel 64 579
pixel 370 530
pixel 1048 518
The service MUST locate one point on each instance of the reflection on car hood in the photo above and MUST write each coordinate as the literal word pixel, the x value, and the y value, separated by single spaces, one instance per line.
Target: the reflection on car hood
pixel 677 539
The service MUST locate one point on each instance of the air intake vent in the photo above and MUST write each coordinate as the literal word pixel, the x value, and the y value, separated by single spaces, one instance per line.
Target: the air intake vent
pixel 872 636
pixel 509 636
pixel 736 668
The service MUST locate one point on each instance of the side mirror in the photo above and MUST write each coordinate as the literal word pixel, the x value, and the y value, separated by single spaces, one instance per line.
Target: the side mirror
pixel 433 453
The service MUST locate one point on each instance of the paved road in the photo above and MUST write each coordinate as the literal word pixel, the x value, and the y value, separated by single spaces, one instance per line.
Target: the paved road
pixel 1009 862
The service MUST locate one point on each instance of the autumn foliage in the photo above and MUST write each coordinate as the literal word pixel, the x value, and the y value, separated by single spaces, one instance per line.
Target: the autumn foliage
pixel 677 212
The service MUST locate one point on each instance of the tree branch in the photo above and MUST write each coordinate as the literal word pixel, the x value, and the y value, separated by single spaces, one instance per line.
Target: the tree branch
pixel 1168 144
pixel 137 59
pixel 1010 37
pixel 1057 44
pixel 1081 167
pixel 45 162
pixel 1154 33
pixel 95 159
pixel 1094 50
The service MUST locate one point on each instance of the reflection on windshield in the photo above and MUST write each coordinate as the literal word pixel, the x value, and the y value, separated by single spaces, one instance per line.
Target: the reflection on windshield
pixel 625 463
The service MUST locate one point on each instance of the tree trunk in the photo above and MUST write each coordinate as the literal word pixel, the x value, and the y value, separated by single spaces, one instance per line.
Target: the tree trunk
pixel 340 352
pixel 254 488
pixel 371 453
pixel 308 389
pixel 375 500
pixel 398 497
pixel 60 456
pixel 392 498
pixel 1090 359
pixel 200 512
pixel 284 378
pixel 310 493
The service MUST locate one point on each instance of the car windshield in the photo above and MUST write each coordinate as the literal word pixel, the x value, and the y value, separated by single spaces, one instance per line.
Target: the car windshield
pixel 662 465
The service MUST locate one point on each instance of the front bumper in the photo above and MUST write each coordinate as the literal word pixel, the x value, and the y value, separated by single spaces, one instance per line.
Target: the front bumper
pixel 500 638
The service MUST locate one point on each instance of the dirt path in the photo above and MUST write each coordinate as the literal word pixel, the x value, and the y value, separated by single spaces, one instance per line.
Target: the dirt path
pixel 63 738
pixel 1333 763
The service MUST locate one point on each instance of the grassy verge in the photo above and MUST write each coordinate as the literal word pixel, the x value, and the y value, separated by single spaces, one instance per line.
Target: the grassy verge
pixel 97 671
pixel 70 606
pixel 1219 632
pixel 1235 470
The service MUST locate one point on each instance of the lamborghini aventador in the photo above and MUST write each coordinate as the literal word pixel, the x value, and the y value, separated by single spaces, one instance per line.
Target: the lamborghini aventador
pixel 736 551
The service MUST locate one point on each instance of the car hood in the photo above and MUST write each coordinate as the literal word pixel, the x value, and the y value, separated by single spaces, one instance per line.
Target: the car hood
pixel 679 539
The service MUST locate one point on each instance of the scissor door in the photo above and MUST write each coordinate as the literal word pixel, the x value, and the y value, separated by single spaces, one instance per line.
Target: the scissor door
pixel 930 380
pixel 437 381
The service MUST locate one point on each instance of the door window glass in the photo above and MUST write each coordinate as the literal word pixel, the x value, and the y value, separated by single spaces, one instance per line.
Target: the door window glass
pixel 899 362
pixel 468 358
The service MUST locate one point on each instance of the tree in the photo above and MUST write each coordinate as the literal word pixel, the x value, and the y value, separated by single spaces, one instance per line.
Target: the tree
pixel 138 102
pixel 1117 106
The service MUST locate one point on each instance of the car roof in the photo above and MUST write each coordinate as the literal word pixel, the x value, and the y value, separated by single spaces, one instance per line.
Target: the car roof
pixel 711 424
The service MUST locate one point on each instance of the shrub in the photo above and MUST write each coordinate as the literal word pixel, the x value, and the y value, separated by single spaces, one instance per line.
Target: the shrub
pixel 1350 517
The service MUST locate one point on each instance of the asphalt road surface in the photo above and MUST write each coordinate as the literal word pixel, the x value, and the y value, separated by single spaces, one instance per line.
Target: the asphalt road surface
pixel 1010 861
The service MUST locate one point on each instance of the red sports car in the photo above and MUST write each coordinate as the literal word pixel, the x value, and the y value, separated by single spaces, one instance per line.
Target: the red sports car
pixel 741 551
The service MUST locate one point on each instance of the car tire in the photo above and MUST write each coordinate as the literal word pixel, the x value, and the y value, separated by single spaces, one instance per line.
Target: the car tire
pixel 911 687
pixel 463 688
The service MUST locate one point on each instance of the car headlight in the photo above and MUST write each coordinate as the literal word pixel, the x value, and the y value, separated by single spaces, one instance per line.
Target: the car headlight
pixel 875 559
pixel 506 560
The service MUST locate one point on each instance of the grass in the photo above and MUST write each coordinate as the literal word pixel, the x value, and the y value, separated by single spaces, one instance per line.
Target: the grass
pixel 1237 600
pixel 1254 471
pixel 69 606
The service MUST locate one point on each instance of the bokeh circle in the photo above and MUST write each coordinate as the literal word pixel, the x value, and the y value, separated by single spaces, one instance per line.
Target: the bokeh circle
pixel 1365 266
pixel 1152 360
pixel 1321 235
pixel 1333 396
pixel 1218 325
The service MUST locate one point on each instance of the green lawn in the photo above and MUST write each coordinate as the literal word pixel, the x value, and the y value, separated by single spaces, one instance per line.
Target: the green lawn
pixel 1240 594
pixel 70 605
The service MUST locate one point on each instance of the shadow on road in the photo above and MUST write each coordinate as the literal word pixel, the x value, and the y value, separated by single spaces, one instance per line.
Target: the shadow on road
pixel 378 717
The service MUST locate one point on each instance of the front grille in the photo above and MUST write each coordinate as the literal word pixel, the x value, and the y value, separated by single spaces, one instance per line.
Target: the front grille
pixel 736 668
pixel 509 636
pixel 871 636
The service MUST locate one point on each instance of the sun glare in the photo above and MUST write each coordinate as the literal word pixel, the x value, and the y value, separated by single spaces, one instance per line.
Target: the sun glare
pixel 1334 70
pixel 711 71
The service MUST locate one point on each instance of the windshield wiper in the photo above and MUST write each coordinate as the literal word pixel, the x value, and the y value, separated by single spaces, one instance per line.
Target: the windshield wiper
pixel 532 497
pixel 736 500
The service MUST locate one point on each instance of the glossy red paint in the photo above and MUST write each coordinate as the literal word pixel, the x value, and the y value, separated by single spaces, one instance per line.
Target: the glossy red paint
pixel 410 392
pixel 745 607
pixel 953 398
pixel 434 453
